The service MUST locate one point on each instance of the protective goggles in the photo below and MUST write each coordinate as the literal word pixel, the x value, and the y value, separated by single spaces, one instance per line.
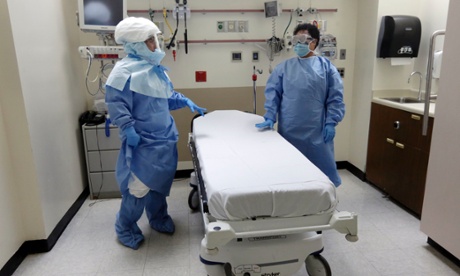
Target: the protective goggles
pixel 302 39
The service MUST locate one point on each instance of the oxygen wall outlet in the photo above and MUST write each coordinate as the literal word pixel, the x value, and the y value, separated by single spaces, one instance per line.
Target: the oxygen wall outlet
pixel 221 28
pixel 231 26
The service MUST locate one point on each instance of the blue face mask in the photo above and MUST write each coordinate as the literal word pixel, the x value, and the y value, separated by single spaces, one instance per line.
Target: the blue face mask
pixel 301 49
pixel 140 49
pixel 156 57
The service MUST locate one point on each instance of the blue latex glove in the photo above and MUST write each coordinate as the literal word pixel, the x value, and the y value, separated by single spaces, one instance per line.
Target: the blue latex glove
pixel 193 107
pixel 132 138
pixel 328 133
pixel 267 124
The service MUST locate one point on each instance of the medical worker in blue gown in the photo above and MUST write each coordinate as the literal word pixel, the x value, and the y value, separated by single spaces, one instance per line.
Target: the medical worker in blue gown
pixel 139 96
pixel 305 95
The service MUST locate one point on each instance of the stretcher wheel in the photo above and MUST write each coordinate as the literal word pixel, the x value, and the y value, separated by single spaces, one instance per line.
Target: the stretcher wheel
pixel 317 266
pixel 194 199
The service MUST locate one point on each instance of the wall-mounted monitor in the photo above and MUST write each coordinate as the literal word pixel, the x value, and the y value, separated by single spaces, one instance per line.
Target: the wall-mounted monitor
pixel 101 16
pixel 272 9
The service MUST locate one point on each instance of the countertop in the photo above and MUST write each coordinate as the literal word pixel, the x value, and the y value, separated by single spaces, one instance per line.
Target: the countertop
pixel 416 108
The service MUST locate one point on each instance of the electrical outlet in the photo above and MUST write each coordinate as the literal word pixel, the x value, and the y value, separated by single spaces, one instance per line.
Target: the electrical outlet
pixel 237 56
pixel 243 26
pixel 342 72
pixel 231 26
pixel 255 56
pixel 343 53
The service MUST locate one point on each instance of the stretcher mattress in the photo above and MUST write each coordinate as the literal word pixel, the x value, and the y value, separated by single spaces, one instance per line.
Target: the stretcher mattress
pixel 251 173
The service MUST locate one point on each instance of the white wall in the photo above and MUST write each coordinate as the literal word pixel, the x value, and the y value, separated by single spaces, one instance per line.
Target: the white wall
pixel 40 103
pixel 440 209
pixel 215 58
pixel 359 115
pixel 381 75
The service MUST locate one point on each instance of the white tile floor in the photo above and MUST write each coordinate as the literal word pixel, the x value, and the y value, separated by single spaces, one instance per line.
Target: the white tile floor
pixel 390 242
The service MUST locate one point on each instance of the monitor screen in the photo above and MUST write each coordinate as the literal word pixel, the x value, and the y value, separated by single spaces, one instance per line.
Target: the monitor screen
pixel 101 15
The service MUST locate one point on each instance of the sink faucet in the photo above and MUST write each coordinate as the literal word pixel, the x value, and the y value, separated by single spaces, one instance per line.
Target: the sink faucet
pixel 420 84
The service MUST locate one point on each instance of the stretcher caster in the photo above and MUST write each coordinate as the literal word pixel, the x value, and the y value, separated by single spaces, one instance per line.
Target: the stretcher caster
pixel 193 197
pixel 317 266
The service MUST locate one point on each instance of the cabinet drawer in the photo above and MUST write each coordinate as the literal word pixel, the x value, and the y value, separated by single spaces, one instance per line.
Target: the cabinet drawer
pixel 96 139
pixel 102 160
pixel 109 185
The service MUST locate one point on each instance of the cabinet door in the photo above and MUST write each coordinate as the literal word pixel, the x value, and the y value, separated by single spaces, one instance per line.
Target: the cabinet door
pixel 408 176
pixel 378 157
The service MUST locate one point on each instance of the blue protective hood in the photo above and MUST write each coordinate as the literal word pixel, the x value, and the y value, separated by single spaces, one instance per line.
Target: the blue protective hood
pixel 146 78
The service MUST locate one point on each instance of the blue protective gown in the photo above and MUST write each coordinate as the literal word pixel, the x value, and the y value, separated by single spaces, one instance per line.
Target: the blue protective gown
pixel 141 95
pixel 305 94
pixel 154 160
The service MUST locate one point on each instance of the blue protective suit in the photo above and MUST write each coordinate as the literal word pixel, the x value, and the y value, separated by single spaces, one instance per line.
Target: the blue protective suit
pixel 303 95
pixel 140 95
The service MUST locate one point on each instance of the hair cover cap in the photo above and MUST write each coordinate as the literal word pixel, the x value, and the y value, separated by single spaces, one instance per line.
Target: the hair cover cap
pixel 135 29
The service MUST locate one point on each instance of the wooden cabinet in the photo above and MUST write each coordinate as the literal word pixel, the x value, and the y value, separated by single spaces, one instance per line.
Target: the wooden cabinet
pixel 397 154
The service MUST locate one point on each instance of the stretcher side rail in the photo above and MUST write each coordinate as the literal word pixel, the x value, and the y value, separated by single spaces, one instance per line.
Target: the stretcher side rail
pixel 196 167
pixel 219 233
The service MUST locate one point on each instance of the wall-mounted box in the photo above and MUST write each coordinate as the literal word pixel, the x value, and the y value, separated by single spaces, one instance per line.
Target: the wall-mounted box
pixel 399 36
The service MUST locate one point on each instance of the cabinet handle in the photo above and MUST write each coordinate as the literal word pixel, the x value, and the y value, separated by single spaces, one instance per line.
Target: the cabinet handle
pixel 415 117
pixel 399 145
pixel 391 141
pixel 396 124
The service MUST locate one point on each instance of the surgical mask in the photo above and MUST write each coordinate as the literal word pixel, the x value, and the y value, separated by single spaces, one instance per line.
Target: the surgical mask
pixel 302 49
pixel 156 57
pixel 141 50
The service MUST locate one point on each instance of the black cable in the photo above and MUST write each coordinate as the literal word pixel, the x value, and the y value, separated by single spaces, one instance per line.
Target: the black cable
pixel 185 23
pixel 173 39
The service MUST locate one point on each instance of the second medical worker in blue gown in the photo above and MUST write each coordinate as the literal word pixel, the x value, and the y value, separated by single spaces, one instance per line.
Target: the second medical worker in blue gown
pixel 305 94
pixel 139 96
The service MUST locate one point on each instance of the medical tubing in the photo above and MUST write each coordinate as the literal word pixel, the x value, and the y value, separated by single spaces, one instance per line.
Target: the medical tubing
pixel 289 24
pixel 185 25
pixel 171 43
pixel 166 21
pixel 90 61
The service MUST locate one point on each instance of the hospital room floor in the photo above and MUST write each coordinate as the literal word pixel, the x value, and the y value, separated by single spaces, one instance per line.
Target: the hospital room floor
pixel 390 242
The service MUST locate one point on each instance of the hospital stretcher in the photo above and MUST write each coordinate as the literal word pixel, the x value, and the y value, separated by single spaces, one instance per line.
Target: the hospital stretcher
pixel 264 205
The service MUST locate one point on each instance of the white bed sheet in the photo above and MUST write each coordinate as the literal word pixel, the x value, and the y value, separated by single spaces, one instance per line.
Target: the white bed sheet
pixel 251 173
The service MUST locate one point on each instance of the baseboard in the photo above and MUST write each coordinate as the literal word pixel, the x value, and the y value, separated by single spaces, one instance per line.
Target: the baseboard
pixel 345 165
pixel 443 251
pixel 41 246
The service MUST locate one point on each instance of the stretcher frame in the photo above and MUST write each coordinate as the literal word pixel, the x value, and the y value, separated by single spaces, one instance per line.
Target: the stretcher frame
pixel 302 234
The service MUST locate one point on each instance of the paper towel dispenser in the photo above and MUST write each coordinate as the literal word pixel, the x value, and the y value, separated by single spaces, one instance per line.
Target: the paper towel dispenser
pixel 399 36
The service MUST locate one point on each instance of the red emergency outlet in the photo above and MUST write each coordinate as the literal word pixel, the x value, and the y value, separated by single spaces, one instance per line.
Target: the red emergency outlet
pixel 200 76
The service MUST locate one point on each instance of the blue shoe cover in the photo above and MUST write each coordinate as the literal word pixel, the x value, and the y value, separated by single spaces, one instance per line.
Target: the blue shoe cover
pixel 131 238
pixel 167 226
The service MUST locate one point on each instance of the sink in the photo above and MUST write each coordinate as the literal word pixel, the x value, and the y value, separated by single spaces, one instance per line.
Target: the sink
pixel 404 100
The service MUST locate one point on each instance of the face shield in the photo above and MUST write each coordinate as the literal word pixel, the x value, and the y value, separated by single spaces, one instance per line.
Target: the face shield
pixel 302 39
pixel 136 29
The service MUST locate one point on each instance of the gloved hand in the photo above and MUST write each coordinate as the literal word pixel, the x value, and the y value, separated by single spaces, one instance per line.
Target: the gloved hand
pixel 267 124
pixel 328 133
pixel 132 138
pixel 193 107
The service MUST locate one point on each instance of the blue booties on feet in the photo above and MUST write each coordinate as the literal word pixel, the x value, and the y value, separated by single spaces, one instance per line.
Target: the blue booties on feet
pixel 128 233
pixel 156 208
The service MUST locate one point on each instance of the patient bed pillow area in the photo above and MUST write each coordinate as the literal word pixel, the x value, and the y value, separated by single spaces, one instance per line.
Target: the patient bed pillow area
pixel 250 173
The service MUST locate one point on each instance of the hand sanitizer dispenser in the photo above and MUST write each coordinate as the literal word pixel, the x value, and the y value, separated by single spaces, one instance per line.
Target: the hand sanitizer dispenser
pixel 399 36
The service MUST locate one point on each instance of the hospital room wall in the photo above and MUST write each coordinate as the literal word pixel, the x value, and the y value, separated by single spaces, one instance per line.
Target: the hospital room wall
pixel 440 210
pixel 229 84
pixel 41 163
pixel 377 74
